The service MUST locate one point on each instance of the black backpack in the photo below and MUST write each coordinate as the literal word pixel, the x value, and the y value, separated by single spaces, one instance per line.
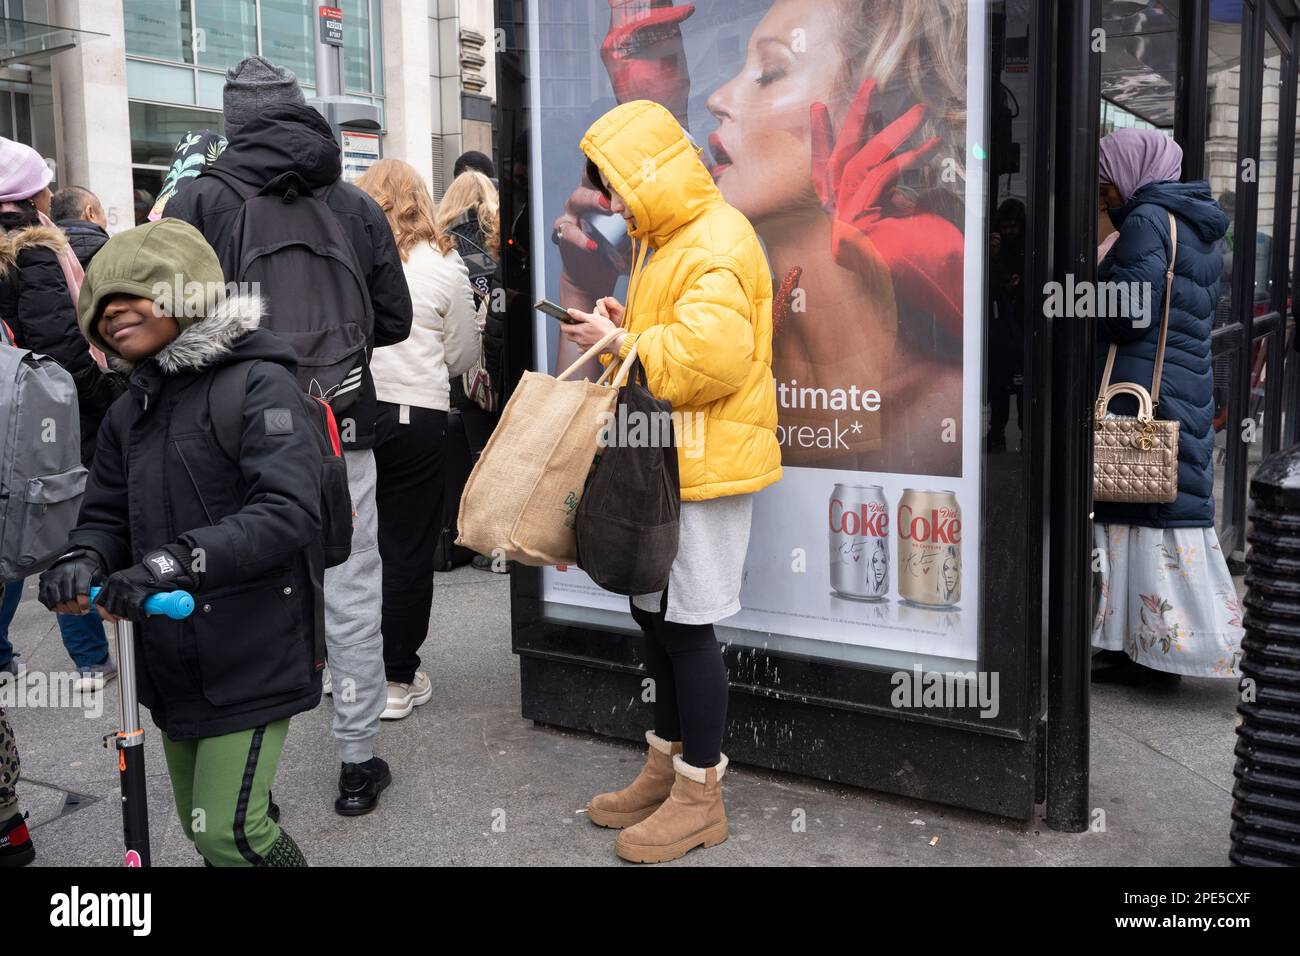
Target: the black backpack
pixel 226 409
pixel 288 242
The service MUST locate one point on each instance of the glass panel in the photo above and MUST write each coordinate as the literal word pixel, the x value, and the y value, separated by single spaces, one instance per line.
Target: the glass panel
pixel 1257 408
pixel 1140 60
pixel 377 47
pixel 1223 92
pixel 6 115
pixel 160 29
pixel 153 81
pixel 155 130
pixel 1225 365
pixel 289 37
pixel 146 183
pixel 1265 233
pixel 210 87
pixel 356 45
pixel 228 32
pixel 23 117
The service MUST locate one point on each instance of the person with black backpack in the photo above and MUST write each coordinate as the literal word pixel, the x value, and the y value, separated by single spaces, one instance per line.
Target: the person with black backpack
pixel 167 509
pixel 322 254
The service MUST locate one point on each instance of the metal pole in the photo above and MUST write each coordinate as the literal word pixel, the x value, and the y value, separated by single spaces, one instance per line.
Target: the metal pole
pixel 1073 386
pixel 130 752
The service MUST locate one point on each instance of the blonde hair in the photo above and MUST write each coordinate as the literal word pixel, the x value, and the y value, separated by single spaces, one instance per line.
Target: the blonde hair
pixel 473 190
pixel 920 43
pixel 405 199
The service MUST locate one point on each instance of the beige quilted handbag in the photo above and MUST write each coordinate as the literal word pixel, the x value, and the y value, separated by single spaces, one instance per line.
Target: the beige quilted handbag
pixel 1136 459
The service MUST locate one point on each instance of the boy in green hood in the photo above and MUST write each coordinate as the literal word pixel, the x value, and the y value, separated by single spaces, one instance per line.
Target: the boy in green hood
pixel 166 509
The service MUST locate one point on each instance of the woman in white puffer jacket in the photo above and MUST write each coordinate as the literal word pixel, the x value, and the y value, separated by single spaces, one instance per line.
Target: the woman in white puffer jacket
pixel 412 383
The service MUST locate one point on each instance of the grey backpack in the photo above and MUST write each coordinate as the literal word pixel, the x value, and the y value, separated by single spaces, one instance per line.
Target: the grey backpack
pixel 41 475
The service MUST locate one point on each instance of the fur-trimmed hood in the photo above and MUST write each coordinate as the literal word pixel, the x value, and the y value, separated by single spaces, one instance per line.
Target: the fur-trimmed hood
pixel 15 241
pixel 210 339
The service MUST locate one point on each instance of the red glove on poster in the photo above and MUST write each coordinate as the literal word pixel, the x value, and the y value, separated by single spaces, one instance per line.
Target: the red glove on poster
pixel 923 251
pixel 644 55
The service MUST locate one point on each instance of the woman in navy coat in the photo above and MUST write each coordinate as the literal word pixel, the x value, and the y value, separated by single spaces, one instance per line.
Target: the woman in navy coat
pixel 1166 602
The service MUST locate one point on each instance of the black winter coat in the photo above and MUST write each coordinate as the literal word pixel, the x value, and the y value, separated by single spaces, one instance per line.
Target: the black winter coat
pixel 85 238
pixel 253 650
pixel 1141 254
pixel 485 277
pixel 292 138
pixel 35 302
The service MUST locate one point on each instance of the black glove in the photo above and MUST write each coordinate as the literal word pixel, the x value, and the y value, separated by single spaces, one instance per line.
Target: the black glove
pixel 170 568
pixel 71 576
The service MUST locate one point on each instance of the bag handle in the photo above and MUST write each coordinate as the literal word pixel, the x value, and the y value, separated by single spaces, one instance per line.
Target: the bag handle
pixel 590 354
pixel 1147 402
pixel 624 373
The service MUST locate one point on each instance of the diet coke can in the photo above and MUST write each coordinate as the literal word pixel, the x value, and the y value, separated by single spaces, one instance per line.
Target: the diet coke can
pixel 859 526
pixel 929 548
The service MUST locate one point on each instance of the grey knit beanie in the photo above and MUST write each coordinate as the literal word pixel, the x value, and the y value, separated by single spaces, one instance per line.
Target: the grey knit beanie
pixel 254 84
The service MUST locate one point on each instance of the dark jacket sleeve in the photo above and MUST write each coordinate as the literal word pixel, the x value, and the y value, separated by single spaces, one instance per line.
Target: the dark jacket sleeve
pixel 1137 260
pixel 46 322
pixel 388 291
pixel 281 472
pixel 104 523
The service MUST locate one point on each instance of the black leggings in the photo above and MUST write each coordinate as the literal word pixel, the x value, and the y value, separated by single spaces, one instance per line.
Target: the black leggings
pixel 690 684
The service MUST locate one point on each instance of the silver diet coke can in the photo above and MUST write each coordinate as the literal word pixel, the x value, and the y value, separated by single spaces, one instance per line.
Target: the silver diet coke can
pixel 859 529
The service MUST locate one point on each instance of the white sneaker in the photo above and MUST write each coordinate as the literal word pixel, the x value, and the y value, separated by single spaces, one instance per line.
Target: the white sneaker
pixel 326 683
pixel 93 679
pixel 404 698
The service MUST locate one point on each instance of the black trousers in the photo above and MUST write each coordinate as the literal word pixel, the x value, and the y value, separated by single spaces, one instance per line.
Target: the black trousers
pixel 690 684
pixel 408 497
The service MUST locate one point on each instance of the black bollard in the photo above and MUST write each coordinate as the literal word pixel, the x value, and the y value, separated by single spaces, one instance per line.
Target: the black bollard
pixel 1266 795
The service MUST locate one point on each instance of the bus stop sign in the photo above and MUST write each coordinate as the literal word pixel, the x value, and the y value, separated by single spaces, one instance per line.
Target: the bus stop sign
pixel 331 26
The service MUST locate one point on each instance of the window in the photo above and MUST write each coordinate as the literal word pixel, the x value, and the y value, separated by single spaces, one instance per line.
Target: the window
pixel 155 130
pixel 227 32
pixel 289 37
pixel 160 29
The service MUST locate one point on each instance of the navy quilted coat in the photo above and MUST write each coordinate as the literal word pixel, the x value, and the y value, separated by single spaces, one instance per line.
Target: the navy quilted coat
pixel 1141 254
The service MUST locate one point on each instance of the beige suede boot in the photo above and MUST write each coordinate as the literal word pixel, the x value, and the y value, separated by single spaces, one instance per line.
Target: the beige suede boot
pixel 691 816
pixel 642 797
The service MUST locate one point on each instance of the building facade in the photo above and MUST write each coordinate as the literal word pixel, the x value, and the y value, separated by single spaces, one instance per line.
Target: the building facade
pixel 105 90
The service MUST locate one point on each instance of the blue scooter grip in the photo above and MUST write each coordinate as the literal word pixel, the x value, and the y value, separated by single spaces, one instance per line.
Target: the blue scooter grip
pixel 176 605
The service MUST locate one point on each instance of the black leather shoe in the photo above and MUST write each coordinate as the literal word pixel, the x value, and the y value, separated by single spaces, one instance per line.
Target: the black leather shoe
pixel 16 842
pixel 360 785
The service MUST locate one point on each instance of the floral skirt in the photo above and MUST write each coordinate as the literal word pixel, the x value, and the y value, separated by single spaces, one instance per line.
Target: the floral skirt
pixel 1165 597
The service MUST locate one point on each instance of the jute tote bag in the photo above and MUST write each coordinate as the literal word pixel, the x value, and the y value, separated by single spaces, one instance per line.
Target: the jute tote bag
pixel 522 496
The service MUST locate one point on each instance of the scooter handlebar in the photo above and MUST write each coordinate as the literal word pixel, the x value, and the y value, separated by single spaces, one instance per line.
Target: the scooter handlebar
pixel 176 605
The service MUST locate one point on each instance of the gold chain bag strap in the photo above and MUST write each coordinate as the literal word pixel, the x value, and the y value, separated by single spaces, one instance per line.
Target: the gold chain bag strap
pixel 1136 459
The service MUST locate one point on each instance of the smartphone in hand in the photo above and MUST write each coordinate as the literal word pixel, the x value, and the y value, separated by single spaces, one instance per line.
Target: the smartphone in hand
pixel 554 311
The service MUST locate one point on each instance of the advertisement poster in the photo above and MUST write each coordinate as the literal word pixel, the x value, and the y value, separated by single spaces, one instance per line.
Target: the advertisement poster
pixel 360 152
pixel 851 134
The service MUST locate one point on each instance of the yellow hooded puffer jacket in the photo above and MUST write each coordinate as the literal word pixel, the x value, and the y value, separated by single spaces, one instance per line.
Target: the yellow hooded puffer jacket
pixel 700 310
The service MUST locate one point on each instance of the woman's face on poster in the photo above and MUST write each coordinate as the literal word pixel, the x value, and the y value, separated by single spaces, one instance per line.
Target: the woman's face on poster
pixel 761 151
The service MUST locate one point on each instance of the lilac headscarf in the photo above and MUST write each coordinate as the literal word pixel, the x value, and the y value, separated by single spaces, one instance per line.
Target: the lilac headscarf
pixel 1132 158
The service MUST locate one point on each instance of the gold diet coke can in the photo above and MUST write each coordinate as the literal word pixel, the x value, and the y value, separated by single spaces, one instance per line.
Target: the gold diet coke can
pixel 929 548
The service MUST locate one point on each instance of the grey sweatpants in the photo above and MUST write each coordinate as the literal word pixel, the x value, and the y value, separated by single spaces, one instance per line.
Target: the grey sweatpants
pixel 354 601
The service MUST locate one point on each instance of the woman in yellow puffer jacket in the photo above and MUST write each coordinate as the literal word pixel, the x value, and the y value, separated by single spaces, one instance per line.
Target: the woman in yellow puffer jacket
pixel 699 312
